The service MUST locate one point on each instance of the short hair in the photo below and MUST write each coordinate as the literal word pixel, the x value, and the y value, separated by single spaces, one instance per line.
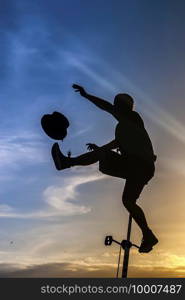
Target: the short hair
pixel 124 100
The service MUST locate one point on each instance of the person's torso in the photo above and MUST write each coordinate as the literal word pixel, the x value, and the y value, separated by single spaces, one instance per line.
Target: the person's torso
pixel 133 138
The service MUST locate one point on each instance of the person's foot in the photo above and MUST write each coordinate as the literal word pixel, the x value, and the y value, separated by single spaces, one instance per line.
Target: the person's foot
pixel 149 240
pixel 60 160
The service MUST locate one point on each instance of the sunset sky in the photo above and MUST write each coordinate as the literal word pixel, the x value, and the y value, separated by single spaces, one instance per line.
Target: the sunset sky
pixel 53 224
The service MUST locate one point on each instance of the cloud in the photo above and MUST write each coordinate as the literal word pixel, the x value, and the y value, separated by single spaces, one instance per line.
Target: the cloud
pixel 4 208
pixel 57 270
pixel 60 198
pixel 20 148
pixel 57 200
pixel 86 270
pixel 175 164
pixel 75 62
pixel 81 131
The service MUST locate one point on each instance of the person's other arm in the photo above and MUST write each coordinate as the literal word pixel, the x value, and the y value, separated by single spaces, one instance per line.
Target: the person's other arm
pixel 109 146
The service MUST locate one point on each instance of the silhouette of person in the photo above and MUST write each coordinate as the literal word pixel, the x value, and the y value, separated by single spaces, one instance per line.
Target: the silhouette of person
pixel 134 162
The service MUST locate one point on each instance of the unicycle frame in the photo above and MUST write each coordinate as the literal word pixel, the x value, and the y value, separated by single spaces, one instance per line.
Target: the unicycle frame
pixel 126 246
pixel 127 249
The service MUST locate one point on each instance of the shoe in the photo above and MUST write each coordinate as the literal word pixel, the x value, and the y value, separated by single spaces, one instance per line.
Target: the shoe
pixel 148 242
pixel 61 161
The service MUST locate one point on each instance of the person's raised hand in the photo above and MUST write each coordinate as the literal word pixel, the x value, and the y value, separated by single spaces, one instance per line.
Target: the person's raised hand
pixel 79 89
pixel 92 147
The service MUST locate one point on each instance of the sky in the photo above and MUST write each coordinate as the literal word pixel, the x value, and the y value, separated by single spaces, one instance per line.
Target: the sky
pixel 53 224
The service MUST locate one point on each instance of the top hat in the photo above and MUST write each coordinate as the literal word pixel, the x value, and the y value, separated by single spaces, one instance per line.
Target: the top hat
pixel 55 125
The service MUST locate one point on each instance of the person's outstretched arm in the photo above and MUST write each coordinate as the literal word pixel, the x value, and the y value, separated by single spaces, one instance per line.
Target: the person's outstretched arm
pixel 102 104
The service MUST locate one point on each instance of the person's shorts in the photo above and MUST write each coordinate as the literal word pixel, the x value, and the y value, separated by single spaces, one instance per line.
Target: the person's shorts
pixel 134 169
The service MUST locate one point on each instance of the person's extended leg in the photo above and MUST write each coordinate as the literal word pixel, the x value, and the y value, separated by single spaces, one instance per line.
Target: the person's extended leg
pixel 131 193
pixel 63 162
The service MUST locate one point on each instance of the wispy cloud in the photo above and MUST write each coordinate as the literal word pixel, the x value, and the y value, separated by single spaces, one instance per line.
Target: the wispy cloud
pixel 175 164
pixel 57 200
pixel 75 62
pixel 20 148
pixel 64 269
pixel 81 131
pixel 91 267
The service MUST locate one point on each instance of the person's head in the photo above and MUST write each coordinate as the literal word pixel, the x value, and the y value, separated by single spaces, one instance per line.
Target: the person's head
pixel 123 103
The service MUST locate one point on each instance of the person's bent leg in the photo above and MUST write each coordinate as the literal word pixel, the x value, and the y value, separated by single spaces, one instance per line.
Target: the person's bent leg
pixel 131 193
